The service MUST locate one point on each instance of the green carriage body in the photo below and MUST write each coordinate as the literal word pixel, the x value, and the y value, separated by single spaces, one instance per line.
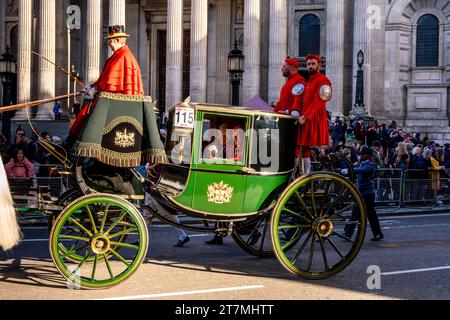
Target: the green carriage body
pixel 222 187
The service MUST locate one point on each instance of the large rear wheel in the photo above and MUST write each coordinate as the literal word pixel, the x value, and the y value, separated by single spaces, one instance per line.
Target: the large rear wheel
pixel 308 221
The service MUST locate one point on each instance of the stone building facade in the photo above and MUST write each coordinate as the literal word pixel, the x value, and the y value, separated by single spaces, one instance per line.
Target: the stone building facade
pixel 182 47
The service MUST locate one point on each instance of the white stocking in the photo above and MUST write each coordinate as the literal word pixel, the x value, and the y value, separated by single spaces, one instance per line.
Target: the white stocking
pixel 306 166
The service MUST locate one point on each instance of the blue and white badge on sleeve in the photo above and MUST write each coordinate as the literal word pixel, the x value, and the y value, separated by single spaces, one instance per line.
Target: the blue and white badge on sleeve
pixel 298 89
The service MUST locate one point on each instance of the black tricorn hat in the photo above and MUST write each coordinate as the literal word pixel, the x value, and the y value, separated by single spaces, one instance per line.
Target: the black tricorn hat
pixel 117 31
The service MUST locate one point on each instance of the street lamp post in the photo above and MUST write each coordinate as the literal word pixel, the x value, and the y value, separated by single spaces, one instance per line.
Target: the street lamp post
pixel 236 69
pixel 8 77
pixel 359 107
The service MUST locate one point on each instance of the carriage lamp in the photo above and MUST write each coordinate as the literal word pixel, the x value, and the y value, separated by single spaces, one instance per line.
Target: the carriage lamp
pixel 8 77
pixel 236 69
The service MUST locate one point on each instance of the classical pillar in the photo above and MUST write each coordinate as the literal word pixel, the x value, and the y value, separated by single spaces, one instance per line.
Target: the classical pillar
pixel 116 12
pixel 24 56
pixel 223 48
pixel 116 15
pixel 335 54
pixel 47 47
pixel 94 39
pixel 199 50
pixel 362 40
pixel 252 49
pixel 174 55
pixel 278 47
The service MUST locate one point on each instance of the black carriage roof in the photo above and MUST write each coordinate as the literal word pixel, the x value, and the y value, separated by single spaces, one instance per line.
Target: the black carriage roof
pixel 232 109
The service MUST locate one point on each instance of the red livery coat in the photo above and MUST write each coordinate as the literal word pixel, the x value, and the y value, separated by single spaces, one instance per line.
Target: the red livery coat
pixel 120 74
pixel 314 132
pixel 286 100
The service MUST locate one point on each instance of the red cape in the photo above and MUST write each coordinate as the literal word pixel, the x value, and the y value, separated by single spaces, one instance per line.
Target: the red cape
pixel 121 74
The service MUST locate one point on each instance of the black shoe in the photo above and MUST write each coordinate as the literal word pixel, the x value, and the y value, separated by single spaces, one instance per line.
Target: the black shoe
pixel 181 243
pixel 378 237
pixel 216 240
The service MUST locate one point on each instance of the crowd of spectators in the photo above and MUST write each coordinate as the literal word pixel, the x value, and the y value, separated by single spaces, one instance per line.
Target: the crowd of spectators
pixel 25 158
pixel 393 149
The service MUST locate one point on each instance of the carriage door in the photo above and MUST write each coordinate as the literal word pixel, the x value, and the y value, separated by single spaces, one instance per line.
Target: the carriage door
pixel 220 161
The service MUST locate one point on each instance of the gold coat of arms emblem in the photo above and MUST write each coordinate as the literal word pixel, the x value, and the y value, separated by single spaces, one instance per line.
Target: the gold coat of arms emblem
pixel 220 193
pixel 124 139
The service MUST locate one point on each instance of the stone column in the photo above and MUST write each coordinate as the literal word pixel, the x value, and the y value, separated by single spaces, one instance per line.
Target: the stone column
pixel 47 47
pixel 116 12
pixel 24 56
pixel 362 40
pixel 199 50
pixel 116 15
pixel 174 55
pixel 278 47
pixel 252 49
pixel 223 48
pixel 94 39
pixel 335 54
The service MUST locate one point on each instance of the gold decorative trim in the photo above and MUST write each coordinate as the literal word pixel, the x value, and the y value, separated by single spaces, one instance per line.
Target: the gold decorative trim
pixel 133 121
pixel 125 97
pixel 119 159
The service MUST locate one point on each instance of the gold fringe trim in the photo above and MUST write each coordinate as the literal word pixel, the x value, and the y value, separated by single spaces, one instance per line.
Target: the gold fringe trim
pixel 133 121
pixel 125 97
pixel 118 159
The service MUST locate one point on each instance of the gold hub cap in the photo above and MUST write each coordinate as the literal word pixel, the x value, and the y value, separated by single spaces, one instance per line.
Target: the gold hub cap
pixel 324 227
pixel 100 244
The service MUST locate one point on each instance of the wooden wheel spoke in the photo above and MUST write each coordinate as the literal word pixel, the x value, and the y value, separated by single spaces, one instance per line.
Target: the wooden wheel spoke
pixel 294 226
pixel 91 218
pixel 313 198
pixel 343 237
pixel 81 263
pixel 126 245
pixel 341 195
pixel 102 227
pixel 123 214
pixel 340 211
pixel 303 204
pixel 79 225
pixel 302 247
pixel 94 267
pixel 120 257
pixel 126 231
pixel 108 266
pixel 63 236
pixel 335 248
pixel 324 254
pixel 325 196
pixel 311 253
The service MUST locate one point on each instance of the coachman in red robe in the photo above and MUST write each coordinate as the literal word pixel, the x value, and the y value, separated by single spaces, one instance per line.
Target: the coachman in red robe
pixel 118 127
pixel 121 74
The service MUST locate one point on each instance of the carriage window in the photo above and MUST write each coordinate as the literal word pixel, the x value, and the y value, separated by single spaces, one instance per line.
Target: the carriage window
pixel 223 139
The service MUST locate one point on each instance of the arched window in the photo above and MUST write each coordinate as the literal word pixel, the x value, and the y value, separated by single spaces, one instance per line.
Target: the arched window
pixel 427 41
pixel 309 36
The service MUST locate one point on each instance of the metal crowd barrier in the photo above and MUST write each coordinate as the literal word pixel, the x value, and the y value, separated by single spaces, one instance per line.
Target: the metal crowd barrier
pixel 24 192
pixel 389 188
pixel 420 188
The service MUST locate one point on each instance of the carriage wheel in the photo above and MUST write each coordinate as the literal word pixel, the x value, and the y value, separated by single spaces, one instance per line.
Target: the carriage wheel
pixel 307 225
pixel 93 228
pixel 253 236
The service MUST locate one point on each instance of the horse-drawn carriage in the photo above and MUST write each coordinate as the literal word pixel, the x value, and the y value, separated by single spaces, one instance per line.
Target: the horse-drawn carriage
pixel 231 166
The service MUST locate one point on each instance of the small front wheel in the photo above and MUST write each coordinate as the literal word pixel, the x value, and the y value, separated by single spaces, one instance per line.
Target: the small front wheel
pixel 94 227
pixel 310 225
